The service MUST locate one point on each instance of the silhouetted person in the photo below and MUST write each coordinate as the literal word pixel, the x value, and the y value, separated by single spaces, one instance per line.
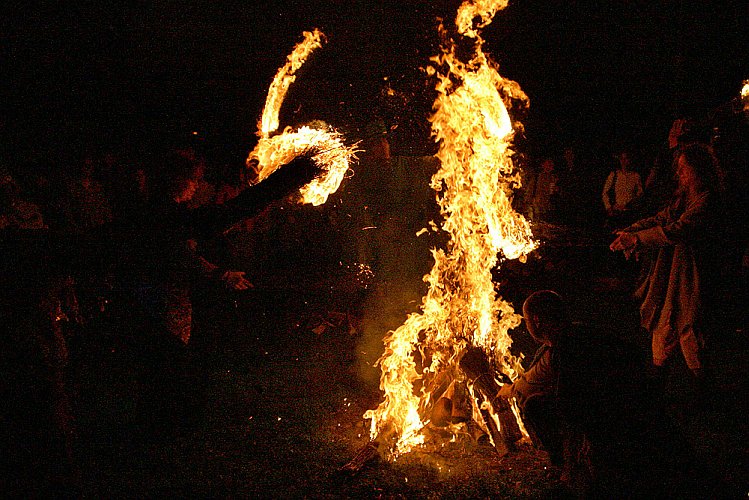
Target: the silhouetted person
pixel 37 304
pixel 161 265
pixel 85 205
pixel 542 191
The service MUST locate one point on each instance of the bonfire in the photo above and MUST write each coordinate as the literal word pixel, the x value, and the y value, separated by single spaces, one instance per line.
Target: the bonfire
pixel 421 380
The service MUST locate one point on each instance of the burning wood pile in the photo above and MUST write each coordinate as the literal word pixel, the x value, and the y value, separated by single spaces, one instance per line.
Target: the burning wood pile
pixel 427 398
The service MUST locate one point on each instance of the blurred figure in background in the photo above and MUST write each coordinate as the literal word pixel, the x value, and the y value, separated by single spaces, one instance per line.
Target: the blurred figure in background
pixel 621 192
pixel 542 191
pixel 85 205
pixel 37 307
pixel 16 212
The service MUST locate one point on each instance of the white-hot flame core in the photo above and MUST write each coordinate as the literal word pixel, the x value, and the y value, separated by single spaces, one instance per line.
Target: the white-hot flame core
pixel 325 146
pixel 745 95
pixel 474 185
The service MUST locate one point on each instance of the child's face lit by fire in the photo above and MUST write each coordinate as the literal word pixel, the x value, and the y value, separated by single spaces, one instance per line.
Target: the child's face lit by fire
pixel 531 323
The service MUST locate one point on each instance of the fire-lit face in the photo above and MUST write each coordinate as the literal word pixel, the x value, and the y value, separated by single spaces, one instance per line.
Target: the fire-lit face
pixel 529 323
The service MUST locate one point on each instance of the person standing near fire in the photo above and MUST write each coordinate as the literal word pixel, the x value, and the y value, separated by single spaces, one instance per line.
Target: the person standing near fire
pixel 621 191
pixel 160 264
pixel 687 238
pixel 542 192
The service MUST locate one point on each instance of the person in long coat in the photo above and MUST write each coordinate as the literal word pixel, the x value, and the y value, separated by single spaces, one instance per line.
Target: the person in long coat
pixel 686 238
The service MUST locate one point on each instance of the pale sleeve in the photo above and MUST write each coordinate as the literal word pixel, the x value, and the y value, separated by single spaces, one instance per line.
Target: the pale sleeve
pixel 689 226
pixel 538 380
pixel 648 222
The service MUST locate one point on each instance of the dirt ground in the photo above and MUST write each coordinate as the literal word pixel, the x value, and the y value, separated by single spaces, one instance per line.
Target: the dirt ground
pixel 276 403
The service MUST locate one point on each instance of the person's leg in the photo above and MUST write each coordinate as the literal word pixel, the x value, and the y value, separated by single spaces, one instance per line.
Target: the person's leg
pixel 664 343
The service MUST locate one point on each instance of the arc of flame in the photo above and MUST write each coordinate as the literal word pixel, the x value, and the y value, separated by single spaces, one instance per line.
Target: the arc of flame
pixel 285 76
pixel 474 185
pixel 325 145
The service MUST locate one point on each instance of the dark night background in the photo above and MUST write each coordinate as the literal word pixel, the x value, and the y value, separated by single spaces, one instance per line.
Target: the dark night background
pixel 129 74
pixel 285 371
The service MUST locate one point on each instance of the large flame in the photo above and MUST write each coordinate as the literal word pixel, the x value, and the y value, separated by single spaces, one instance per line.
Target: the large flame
pixel 745 95
pixel 324 144
pixel 474 185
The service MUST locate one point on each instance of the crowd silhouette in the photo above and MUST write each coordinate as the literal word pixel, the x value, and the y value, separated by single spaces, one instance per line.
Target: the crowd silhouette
pixel 131 248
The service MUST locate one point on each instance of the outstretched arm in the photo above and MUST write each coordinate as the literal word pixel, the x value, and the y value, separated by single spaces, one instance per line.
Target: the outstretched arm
pixel 287 180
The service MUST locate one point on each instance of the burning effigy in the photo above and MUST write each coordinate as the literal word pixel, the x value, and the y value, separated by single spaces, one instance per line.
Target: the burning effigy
pixel 421 379
pixel 322 143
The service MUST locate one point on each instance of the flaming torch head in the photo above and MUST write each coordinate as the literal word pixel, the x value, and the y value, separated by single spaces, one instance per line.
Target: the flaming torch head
pixel 325 145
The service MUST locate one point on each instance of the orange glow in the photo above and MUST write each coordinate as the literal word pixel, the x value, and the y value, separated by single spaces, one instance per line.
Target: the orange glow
pixel 474 188
pixel 325 145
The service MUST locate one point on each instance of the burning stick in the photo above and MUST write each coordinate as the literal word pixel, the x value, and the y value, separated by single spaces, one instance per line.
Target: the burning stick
pixel 497 415
pixel 496 412
pixel 365 454
pixel 326 148
pixel 324 144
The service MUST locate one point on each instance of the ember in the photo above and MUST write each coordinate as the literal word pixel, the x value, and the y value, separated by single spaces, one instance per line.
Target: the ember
pixel 461 309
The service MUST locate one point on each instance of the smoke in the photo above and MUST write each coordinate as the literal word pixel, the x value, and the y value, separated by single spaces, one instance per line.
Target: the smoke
pixel 399 204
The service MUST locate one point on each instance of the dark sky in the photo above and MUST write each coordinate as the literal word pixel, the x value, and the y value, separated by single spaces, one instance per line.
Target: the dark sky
pixel 132 73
